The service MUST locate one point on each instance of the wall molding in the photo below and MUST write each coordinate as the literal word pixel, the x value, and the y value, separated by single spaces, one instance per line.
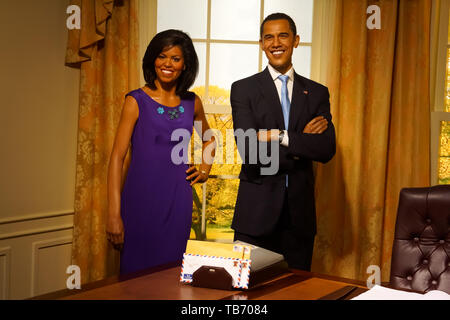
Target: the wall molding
pixel 35 247
pixel 6 276
pixel 36 231
pixel 37 216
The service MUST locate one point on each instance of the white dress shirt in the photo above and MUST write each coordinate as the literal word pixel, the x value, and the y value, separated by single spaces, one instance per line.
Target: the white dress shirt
pixel 290 85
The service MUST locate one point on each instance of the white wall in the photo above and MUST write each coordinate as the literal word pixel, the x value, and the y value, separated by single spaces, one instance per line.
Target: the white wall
pixel 38 136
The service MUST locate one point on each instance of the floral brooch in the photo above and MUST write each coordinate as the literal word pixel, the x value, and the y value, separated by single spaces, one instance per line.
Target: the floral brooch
pixel 173 114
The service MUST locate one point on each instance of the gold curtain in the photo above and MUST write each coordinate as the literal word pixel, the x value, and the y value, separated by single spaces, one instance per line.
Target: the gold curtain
pixel 379 87
pixel 106 51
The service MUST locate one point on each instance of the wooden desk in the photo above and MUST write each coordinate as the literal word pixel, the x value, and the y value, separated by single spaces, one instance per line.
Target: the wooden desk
pixel 163 284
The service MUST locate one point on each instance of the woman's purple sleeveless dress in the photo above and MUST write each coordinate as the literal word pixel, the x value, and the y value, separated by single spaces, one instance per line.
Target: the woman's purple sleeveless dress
pixel 156 201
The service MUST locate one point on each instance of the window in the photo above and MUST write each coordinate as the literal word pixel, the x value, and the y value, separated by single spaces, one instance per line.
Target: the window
pixel 444 138
pixel 226 37
pixel 440 117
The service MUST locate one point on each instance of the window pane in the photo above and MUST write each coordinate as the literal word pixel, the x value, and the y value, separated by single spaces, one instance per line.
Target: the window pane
pixel 235 19
pixel 221 193
pixel 301 11
pixel 200 48
pixel 231 62
pixel 227 156
pixel 220 201
pixel 188 16
pixel 444 153
pixel 301 59
pixel 196 226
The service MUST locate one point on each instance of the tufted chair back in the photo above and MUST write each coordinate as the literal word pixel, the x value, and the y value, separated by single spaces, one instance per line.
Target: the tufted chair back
pixel 421 250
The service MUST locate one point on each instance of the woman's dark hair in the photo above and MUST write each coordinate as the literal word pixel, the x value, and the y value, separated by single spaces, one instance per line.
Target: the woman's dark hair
pixel 163 41
pixel 279 16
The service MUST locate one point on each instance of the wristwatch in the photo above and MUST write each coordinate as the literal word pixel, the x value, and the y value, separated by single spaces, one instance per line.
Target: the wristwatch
pixel 281 136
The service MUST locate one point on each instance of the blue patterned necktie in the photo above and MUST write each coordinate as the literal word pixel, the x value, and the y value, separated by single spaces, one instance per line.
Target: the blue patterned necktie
pixel 285 103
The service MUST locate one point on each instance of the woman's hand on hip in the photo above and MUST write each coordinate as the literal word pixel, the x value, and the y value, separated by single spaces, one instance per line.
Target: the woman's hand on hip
pixel 196 176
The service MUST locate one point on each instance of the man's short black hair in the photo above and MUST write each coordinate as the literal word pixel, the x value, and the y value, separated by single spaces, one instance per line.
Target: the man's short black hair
pixel 165 40
pixel 279 16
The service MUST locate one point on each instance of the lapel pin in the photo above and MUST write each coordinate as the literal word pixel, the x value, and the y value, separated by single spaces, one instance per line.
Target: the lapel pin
pixel 305 92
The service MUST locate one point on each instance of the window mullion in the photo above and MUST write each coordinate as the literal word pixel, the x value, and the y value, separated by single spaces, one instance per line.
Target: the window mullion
pixel 208 49
pixel 261 19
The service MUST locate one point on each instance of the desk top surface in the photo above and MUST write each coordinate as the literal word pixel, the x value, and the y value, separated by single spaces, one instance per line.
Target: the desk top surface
pixel 165 285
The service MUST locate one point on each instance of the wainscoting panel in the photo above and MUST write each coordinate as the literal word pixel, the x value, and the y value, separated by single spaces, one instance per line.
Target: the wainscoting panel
pixel 48 273
pixel 35 251
pixel 5 272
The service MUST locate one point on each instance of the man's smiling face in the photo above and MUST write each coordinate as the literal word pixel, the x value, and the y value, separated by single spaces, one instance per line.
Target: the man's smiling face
pixel 278 42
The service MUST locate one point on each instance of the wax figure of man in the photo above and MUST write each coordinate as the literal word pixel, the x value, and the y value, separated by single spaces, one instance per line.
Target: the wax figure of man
pixel 277 212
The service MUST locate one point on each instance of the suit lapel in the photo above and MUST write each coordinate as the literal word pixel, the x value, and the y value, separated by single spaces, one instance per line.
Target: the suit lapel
pixel 298 103
pixel 270 93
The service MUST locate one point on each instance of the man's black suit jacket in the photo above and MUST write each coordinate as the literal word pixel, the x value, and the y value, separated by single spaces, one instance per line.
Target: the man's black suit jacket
pixel 256 104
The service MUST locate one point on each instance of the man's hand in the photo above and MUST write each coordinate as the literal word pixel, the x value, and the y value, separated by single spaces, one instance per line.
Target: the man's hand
pixel 316 126
pixel 268 135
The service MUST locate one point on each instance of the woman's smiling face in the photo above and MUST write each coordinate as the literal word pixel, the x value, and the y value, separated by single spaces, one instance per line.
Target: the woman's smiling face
pixel 169 65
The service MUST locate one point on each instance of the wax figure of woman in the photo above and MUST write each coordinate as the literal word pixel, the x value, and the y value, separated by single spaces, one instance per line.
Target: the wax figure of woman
pixel 150 220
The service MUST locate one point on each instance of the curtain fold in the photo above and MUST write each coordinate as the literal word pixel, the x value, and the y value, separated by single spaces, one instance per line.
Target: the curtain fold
pixel 81 42
pixel 379 92
pixel 106 51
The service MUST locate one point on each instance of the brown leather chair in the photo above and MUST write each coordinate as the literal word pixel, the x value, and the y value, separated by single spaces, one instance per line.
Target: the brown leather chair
pixel 421 250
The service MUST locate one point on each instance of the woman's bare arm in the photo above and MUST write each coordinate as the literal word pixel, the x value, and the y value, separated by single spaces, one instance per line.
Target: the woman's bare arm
pixel 114 225
pixel 201 175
